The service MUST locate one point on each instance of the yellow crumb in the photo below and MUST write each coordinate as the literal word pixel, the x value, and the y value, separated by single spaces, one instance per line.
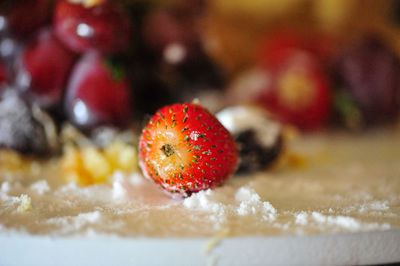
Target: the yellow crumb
pixel 121 156
pixel 25 204
pixel 96 164
pixel 215 240
pixel 91 165
pixel 294 160
pixel 12 161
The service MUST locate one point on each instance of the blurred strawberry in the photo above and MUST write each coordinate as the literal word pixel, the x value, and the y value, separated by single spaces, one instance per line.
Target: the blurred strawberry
pixel 25 16
pixel 369 71
pixel 84 25
pixel 299 91
pixel 43 69
pixel 98 93
pixel 280 44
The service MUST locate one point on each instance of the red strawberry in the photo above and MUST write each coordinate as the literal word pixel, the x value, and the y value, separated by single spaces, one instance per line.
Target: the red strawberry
pixel 281 43
pixel 299 93
pixel 97 93
pixel 44 68
pixel 84 25
pixel 185 149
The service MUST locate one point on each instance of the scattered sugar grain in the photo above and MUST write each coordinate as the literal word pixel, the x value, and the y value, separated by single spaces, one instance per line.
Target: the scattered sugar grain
pixel 119 191
pixel 25 204
pixel 40 187
pixel 301 218
pixel 5 187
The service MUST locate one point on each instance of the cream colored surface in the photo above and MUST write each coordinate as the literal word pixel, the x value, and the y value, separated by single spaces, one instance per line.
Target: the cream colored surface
pixel 349 183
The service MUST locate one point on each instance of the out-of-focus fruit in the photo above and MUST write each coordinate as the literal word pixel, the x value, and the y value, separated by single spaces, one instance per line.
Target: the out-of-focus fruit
pixel 25 16
pixel 43 69
pixel 172 37
pixel 370 71
pixel 84 25
pixel 283 43
pixel 185 149
pixel 299 92
pixel 19 129
pixel 3 77
pixel 98 93
pixel 347 110
pixel 258 136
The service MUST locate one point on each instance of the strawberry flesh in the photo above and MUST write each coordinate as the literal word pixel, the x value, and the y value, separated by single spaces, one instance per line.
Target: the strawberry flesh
pixel 185 149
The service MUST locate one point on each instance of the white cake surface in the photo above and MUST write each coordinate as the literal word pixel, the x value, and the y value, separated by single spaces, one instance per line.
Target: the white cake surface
pixel 349 183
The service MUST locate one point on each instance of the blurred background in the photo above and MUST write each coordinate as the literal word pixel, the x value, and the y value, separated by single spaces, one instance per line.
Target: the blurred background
pixel 310 63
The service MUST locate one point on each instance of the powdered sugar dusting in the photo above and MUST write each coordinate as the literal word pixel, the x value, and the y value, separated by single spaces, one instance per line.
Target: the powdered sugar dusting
pixel 345 222
pixel 250 203
pixel 41 187
pixel 301 218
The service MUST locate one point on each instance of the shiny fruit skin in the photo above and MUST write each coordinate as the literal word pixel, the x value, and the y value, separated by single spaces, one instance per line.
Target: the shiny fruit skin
pixel 103 27
pixel 96 94
pixel 44 69
pixel 185 149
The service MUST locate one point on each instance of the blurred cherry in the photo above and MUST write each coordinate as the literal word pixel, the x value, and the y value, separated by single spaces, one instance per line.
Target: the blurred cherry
pixel 84 25
pixel 98 93
pixel 25 16
pixel 43 69
pixel 171 36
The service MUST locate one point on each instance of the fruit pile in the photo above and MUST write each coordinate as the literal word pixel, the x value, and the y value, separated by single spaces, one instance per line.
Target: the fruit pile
pixel 98 64
pixel 102 62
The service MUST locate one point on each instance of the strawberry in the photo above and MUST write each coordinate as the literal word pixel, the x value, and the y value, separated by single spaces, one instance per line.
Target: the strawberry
pixel 281 43
pixel 299 92
pixel 185 149
pixel 84 25
pixel 98 93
